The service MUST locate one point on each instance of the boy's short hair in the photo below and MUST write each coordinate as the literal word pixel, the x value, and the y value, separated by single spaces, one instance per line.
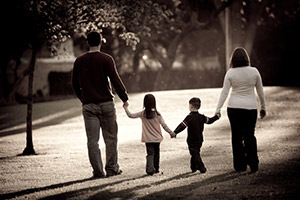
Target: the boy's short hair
pixel 94 38
pixel 195 102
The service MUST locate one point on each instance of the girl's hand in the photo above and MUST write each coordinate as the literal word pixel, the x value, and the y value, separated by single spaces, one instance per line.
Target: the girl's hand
pixel 173 135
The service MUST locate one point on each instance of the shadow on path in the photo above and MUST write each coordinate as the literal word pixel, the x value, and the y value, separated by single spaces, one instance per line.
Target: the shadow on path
pixel 129 192
pixel 54 121
pixel 273 181
pixel 124 194
pixel 32 190
pixel 45 114
pixel 61 185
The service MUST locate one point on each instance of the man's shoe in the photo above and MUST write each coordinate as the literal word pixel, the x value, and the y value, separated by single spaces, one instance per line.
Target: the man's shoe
pixel 98 176
pixel 119 172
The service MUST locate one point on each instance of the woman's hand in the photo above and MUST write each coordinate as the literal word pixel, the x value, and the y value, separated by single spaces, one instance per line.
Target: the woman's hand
pixel 262 114
pixel 218 114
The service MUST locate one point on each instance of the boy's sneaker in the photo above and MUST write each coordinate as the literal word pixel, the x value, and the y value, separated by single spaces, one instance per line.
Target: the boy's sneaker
pixel 254 168
pixel 202 169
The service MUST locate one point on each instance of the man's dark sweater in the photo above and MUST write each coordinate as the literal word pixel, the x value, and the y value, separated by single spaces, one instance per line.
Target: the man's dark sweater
pixel 195 123
pixel 92 74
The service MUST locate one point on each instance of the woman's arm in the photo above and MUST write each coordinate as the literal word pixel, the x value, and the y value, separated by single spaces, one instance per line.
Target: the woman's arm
pixel 261 95
pixel 224 93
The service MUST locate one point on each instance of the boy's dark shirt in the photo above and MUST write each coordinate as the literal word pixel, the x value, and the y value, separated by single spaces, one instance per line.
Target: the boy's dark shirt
pixel 90 78
pixel 195 123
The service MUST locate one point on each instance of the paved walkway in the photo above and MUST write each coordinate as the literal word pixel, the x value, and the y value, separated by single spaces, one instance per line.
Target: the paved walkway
pixel 61 169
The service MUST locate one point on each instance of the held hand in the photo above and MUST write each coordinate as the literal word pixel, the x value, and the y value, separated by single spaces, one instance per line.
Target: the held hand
pixel 218 114
pixel 125 104
pixel 173 135
pixel 262 114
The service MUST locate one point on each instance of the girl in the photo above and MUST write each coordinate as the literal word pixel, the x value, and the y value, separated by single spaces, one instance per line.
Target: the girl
pixel 151 132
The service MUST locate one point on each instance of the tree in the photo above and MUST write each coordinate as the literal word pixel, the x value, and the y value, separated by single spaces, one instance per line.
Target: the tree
pixel 48 23
pixel 42 23
pixel 268 30
pixel 164 26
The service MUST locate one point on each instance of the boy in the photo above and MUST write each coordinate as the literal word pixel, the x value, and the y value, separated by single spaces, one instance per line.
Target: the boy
pixel 195 123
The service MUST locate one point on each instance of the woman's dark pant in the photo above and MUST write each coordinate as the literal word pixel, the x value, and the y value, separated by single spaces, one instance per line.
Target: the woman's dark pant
pixel 244 145
pixel 152 159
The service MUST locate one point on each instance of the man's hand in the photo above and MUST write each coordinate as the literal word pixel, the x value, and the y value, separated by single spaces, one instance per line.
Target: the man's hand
pixel 125 104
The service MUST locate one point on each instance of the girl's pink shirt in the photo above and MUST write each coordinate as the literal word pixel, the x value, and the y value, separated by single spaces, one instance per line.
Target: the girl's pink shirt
pixel 151 131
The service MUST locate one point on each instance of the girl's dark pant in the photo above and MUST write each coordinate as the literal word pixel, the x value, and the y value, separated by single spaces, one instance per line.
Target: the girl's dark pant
pixel 152 162
pixel 244 145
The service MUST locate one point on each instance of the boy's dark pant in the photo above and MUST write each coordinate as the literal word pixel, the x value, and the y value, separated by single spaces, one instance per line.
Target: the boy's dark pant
pixel 152 165
pixel 196 161
pixel 244 145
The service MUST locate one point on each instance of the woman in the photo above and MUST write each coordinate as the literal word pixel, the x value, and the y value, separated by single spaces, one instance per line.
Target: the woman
pixel 242 108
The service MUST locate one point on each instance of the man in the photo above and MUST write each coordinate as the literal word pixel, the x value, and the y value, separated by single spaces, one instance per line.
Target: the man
pixel 92 74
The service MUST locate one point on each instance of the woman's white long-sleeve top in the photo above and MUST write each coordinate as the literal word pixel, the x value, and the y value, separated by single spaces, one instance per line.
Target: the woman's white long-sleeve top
pixel 242 80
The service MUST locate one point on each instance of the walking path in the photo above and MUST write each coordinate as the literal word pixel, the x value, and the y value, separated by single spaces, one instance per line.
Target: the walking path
pixel 61 169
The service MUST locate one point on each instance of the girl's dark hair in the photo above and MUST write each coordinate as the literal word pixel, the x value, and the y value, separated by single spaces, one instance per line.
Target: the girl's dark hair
pixel 150 106
pixel 94 38
pixel 239 58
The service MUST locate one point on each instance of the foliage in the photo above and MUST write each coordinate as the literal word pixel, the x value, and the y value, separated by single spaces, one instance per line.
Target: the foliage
pixel 30 25
pixel 127 19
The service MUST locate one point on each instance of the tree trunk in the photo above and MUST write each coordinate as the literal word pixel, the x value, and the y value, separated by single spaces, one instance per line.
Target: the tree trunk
pixel 163 79
pixel 29 150
pixel 252 25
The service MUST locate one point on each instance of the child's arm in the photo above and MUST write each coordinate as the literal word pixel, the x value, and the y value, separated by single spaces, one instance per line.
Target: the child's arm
pixel 180 127
pixel 165 127
pixel 183 124
pixel 129 114
pixel 210 120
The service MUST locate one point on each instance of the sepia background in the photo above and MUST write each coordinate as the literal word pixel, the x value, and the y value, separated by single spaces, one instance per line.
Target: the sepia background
pixel 174 49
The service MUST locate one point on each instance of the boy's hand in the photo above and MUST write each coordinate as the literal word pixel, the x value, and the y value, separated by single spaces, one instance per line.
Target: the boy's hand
pixel 218 114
